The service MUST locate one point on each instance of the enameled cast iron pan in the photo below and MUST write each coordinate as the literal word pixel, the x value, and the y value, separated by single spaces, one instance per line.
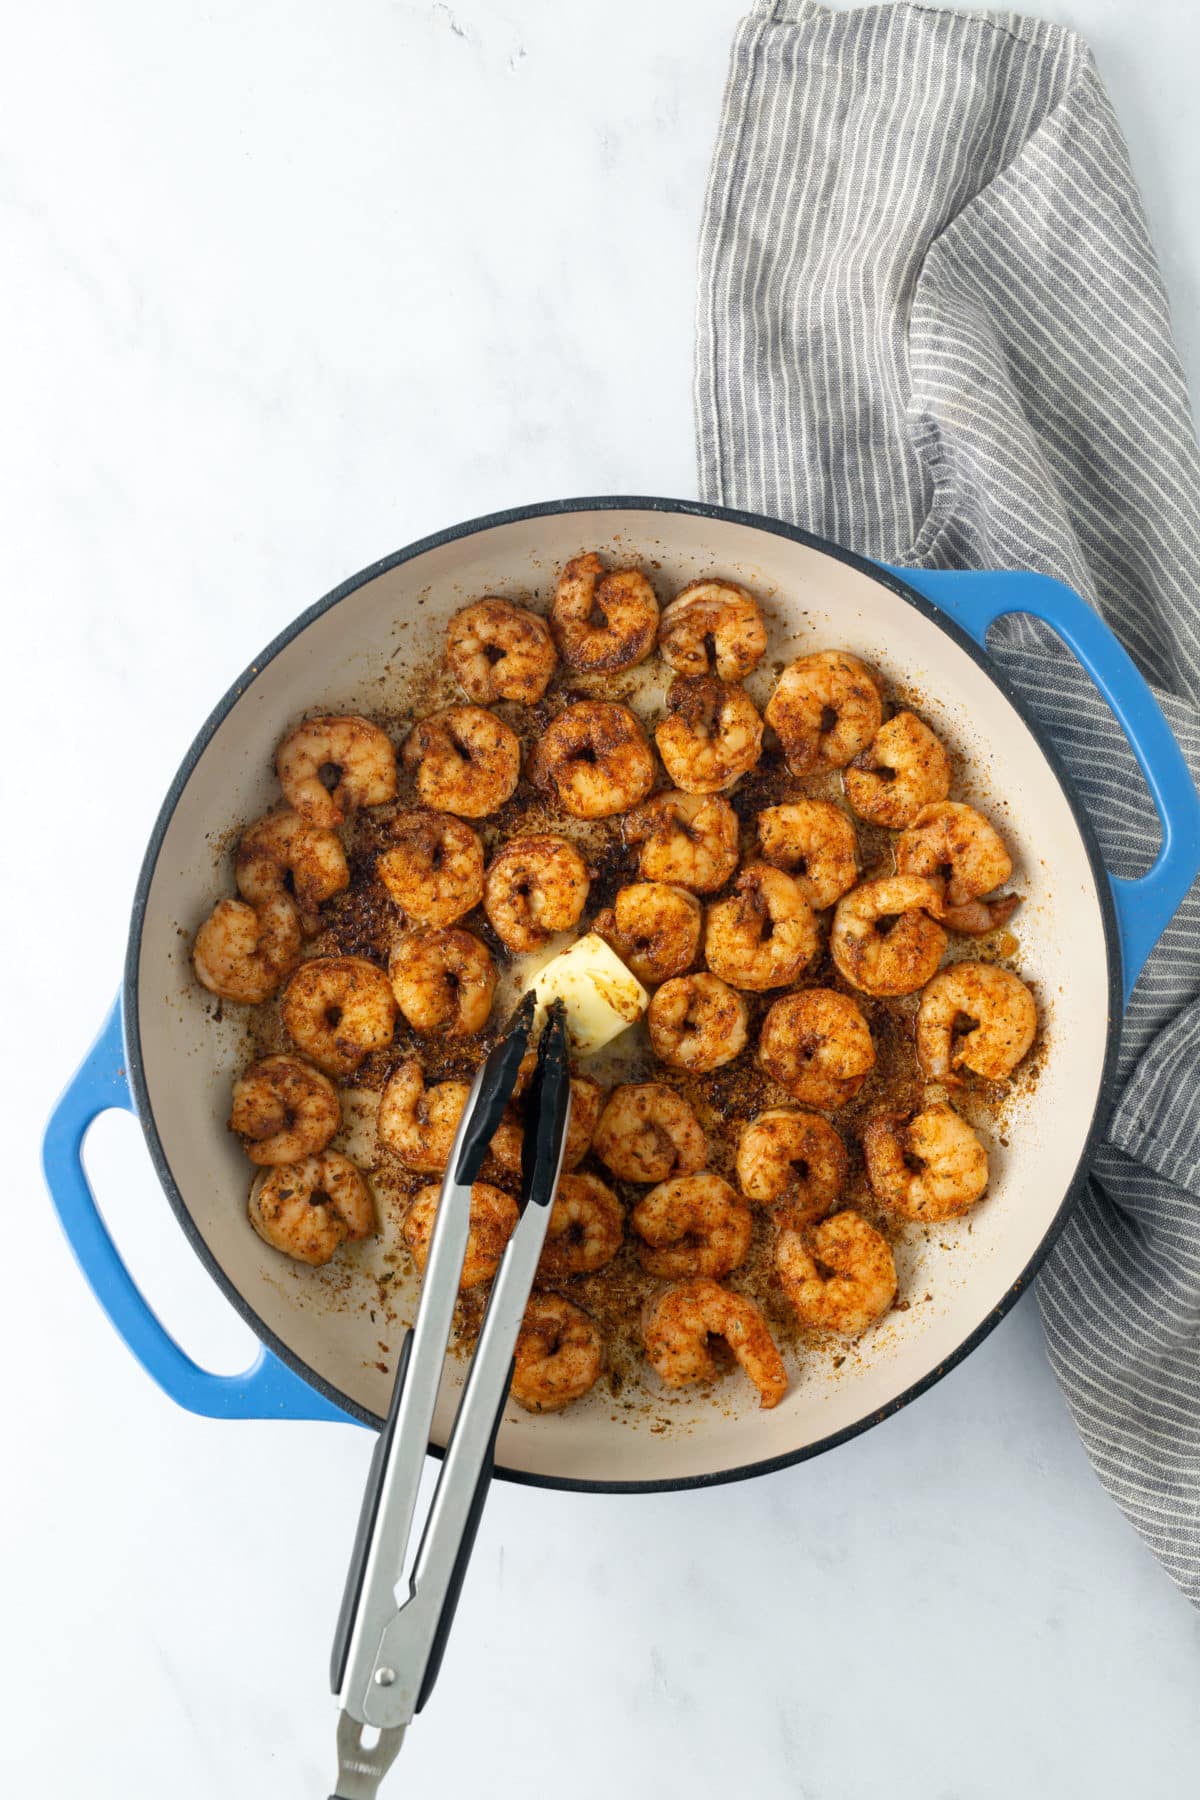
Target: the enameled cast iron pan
pixel 1083 938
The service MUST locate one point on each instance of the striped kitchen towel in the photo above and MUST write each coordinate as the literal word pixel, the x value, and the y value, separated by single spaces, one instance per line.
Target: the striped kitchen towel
pixel 931 326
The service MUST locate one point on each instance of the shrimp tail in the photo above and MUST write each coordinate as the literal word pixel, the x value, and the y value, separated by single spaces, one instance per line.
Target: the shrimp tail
pixel 974 918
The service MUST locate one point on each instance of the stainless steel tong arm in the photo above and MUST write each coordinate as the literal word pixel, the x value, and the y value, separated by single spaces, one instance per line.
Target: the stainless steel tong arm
pixel 389 1643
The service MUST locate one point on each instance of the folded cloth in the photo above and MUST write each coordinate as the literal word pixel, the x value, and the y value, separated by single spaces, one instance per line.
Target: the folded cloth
pixel 931 327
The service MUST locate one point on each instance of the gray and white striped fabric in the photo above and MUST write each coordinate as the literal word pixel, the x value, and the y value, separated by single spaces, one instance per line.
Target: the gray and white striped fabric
pixel 931 327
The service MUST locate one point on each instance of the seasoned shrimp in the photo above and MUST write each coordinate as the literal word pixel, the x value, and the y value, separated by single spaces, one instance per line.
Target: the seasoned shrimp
pixel 243 952
pixel 594 756
pixel 602 621
pixel 284 1109
pixel 692 1225
pixel 493 1220
pixel 308 1209
pixel 654 929
pixel 713 628
pixel 434 868
pixel 329 767
pixel 284 854
pixel 338 1009
pixel 697 1022
pixel 816 843
pixel 974 1016
pixel 904 768
pixel 417 1123
pixel 955 844
pixel 818 1046
pixel 687 840
pixel 794 1161
pixel 535 886
pixel 711 736
pixel 558 1357
pixel 499 651
pixel 930 1166
pixel 443 980
pixel 587 1228
pixel 883 939
pixel 677 1326
pixel 839 1275
pixel 825 709
pixel 465 759
pixel 648 1132
pixel 764 934
pixel 587 1097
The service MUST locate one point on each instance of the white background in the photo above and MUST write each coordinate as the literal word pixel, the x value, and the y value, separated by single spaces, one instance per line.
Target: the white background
pixel 286 286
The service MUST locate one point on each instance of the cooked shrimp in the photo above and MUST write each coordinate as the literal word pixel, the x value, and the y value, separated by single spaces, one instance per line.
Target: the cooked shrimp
pixel 329 767
pixel 839 1275
pixel 931 1166
pixel 465 759
pixel 243 952
pixel 418 1123
pixel 587 1097
pixel 648 1132
pixel 974 1016
pixel 284 1109
pixel 883 939
pixel 434 869
pixel 587 1228
pixel 443 980
pixel 624 631
pixel 692 1225
pixel 499 651
pixel 904 768
pixel 687 840
pixel 308 1209
pixel 764 934
pixel 713 628
pixel 654 929
pixel 677 1325
pixel 493 1220
pixel 711 736
pixel 338 1009
pixel 818 1046
pixel 594 756
pixel 697 1022
pixel 535 886
pixel 815 842
pixel 558 1356
pixel 794 1161
pixel 825 709
pixel 284 854
pixel 955 844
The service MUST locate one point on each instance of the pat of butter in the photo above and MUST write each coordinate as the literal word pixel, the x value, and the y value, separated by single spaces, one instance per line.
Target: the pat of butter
pixel 601 997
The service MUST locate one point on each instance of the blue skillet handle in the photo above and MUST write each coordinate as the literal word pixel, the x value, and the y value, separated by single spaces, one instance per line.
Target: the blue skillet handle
pixel 975 601
pixel 268 1390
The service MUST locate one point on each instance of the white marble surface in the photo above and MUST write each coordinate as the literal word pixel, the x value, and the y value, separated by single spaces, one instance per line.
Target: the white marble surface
pixel 287 285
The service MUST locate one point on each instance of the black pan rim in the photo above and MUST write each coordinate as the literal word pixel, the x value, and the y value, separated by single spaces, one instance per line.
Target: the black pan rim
pixel 700 509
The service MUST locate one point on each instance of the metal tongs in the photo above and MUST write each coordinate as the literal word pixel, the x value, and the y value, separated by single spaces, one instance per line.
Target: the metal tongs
pixel 389 1643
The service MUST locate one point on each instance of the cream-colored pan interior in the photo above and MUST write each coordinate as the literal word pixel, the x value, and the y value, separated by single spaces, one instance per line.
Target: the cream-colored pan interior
pixel 353 657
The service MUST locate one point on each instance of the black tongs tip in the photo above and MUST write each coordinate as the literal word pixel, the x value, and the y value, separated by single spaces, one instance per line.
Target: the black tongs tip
pixel 548 1108
pixel 496 1084
pixel 556 1014
pixel 524 1014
